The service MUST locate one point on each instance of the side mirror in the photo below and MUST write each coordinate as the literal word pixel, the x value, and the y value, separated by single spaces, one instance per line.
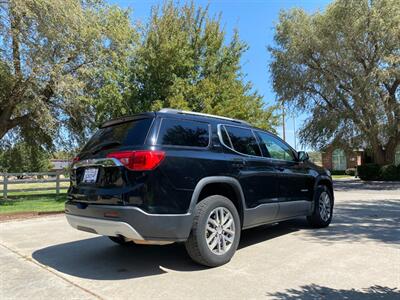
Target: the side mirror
pixel 303 156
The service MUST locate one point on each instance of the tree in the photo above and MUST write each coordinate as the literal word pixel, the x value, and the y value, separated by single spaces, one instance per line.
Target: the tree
pixel 343 66
pixel 185 62
pixel 53 53
pixel 23 157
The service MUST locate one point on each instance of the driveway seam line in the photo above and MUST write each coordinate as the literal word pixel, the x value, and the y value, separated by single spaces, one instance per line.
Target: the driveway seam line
pixel 50 270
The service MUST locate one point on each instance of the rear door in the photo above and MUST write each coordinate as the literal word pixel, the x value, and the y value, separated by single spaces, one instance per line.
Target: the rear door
pixel 257 176
pixel 295 181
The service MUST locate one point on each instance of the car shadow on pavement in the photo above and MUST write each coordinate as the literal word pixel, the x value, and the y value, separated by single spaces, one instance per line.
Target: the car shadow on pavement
pixel 357 221
pixel 100 259
pixel 314 292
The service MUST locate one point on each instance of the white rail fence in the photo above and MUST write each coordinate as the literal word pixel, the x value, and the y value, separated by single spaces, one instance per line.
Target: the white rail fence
pixel 36 177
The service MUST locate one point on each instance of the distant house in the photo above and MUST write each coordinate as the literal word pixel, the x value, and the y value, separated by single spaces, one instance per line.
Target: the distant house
pixel 59 164
pixel 339 158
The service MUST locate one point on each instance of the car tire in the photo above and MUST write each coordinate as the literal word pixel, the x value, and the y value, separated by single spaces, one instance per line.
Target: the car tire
pixel 323 208
pixel 215 232
pixel 120 240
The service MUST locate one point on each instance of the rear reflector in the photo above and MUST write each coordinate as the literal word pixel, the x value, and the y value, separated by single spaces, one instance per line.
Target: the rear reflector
pixel 111 214
pixel 143 160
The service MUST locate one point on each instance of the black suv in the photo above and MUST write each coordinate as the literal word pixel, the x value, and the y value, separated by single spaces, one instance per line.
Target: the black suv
pixel 172 176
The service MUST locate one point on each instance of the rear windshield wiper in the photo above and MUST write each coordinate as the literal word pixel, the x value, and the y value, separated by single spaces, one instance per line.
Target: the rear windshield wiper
pixel 104 145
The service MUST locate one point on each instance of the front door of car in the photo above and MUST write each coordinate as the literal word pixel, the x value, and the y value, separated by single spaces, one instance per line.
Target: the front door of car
pixel 295 185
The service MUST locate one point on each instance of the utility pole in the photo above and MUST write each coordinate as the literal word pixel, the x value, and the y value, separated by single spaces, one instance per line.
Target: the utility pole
pixel 294 131
pixel 283 121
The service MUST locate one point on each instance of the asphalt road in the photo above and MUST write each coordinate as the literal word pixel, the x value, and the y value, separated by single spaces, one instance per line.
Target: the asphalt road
pixel 357 257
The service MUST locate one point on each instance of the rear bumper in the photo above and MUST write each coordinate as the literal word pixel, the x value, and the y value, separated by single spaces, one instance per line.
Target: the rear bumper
pixel 130 222
pixel 104 227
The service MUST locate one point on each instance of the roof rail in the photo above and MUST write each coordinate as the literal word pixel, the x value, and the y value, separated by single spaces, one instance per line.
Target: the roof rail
pixel 185 112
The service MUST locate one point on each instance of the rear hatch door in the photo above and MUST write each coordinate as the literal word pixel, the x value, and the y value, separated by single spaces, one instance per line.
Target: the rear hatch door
pixel 96 178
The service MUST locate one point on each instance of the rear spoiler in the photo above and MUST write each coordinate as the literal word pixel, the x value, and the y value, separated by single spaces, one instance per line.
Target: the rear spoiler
pixel 128 119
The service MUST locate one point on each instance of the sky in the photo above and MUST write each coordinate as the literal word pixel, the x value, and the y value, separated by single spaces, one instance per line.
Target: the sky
pixel 255 21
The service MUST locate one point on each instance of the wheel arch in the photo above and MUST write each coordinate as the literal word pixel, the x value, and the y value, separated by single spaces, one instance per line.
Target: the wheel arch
pixel 326 181
pixel 219 185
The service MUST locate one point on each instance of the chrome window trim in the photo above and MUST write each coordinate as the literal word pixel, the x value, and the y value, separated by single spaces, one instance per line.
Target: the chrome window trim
pixel 229 138
pixel 253 130
pixel 98 162
pixel 222 142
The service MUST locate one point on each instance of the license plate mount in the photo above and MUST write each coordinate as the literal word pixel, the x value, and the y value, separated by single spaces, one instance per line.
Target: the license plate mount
pixel 90 175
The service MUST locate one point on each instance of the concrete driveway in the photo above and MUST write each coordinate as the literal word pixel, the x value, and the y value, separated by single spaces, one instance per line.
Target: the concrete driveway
pixel 358 256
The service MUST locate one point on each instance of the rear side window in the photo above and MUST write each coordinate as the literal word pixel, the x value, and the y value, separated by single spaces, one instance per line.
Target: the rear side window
pixel 187 133
pixel 122 134
pixel 242 140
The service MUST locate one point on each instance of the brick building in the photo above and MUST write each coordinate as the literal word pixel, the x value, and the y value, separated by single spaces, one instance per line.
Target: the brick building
pixel 340 159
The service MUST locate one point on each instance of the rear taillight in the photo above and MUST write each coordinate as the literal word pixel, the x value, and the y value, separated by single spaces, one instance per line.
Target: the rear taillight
pixel 76 159
pixel 142 160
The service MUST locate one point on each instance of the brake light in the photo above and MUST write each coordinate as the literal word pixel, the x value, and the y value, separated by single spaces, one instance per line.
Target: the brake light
pixel 143 160
pixel 76 159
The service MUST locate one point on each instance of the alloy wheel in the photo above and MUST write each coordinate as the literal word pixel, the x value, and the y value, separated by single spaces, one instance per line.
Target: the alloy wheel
pixel 220 230
pixel 325 209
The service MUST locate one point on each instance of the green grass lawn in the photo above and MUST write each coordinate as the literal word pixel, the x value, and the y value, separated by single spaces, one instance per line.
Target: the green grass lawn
pixel 341 176
pixel 32 203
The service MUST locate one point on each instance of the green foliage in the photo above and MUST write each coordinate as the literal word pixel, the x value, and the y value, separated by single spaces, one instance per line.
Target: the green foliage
pixel 23 157
pixel 63 154
pixel 343 66
pixel 351 171
pixel 390 172
pixel 315 157
pixel 369 171
pixel 68 65
pixel 185 62
pixel 376 172
pixel 54 56
pixel 338 172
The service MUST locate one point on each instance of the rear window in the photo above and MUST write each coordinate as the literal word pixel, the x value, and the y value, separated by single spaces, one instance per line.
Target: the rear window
pixel 242 140
pixel 123 134
pixel 175 132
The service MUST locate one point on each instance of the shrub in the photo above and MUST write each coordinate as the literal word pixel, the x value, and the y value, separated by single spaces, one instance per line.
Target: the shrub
pixel 390 172
pixel 338 172
pixel 369 172
pixel 351 171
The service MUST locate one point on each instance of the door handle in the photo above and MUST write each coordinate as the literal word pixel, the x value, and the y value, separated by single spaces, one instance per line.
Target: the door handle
pixel 238 163
pixel 280 169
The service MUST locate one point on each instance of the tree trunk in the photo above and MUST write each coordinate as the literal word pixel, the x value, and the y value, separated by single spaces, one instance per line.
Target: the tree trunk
pixel 15 23
pixel 3 131
pixel 390 149
pixel 385 155
pixel 379 155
